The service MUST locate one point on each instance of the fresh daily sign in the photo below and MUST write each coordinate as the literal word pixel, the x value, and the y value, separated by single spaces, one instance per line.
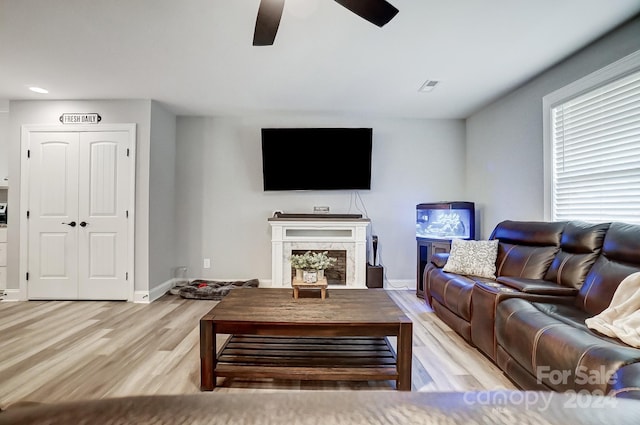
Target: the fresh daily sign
pixel 80 118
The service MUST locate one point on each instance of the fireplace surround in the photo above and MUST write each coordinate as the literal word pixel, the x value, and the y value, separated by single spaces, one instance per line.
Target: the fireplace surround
pixel 335 275
pixel 319 233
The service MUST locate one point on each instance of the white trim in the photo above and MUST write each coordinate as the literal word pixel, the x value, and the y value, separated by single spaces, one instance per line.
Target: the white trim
pixel 133 179
pixel 618 69
pixel 400 284
pixel 24 193
pixel 265 283
pixel 23 222
pixel 161 289
pixel 141 297
pixel 11 295
pixel 391 285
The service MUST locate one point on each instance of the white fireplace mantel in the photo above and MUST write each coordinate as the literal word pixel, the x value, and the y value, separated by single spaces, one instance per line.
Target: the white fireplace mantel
pixel 348 234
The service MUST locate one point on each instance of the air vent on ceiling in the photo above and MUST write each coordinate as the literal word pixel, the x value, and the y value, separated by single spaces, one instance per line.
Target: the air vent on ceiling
pixel 429 85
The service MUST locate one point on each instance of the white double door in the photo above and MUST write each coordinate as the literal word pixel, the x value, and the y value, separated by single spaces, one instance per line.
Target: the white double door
pixel 78 201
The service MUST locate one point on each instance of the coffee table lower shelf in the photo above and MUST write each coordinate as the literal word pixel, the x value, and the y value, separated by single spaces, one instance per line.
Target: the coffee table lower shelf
pixel 307 358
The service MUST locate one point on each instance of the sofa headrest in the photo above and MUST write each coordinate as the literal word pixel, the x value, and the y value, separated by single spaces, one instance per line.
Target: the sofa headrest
pixel 580 246
pixel 622 243
pixel 583 238
pixel 619 258
pixel 536 233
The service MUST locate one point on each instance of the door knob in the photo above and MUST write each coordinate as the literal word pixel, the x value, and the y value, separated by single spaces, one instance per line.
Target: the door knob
pixel 83 224
pixel 72 224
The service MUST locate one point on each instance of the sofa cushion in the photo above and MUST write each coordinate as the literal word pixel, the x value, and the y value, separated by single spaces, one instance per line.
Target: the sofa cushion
pixel 580 246
pixel 384 407
pixel 473 258
pixel 619 258
pixel 526 249
pixel 552 343
pixel 451 290
pixel 461 326
pixel 533 233
pixel 530 262
pixel 536 286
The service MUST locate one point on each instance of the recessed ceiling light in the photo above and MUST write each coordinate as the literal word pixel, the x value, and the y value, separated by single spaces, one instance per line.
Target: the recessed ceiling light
pixel 39 90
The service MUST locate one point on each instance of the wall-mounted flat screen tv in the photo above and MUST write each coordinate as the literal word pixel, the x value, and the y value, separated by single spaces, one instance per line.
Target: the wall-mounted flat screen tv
pixel 316 158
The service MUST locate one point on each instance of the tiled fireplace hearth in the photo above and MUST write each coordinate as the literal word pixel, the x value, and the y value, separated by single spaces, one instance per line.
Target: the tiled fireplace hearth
pixel 336 235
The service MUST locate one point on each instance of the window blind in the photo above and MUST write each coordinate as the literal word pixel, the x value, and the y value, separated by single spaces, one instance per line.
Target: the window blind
pixel 596 154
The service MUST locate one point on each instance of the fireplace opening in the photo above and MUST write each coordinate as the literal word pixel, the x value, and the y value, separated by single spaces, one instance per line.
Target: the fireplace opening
pixel 336 275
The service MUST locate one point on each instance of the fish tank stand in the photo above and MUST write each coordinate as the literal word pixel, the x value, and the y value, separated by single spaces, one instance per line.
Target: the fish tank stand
pixel 437 224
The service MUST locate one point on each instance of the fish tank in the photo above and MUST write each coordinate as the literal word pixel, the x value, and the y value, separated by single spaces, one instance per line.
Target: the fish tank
pixel 445 220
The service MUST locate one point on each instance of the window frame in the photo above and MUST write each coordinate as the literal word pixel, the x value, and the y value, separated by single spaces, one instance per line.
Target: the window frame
pixel 619 69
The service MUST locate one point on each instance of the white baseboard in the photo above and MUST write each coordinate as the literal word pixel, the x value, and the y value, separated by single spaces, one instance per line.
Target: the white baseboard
pixel 141 297
pixel 400 284
pixel 146 297
pixel 395 284
pixel 11 295
pixel 161 289
pixel 264 283
pixel 157 292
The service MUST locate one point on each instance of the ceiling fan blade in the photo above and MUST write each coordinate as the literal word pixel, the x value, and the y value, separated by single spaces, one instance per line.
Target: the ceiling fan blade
pixel 378 12
pixel 267 22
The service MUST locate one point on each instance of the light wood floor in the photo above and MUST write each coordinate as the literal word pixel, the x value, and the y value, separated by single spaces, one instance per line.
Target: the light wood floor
pixel 61 351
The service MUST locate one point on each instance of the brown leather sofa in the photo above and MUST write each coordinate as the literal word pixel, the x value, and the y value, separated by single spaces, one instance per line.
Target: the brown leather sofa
pixel 550 277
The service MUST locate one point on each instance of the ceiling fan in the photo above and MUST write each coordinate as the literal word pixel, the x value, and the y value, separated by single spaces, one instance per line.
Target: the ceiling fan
pixel 378 12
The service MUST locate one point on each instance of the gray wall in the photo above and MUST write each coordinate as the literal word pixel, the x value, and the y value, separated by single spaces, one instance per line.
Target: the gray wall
pixel 222 210
pixel 212 204
pixel 112 111
pixel 504 140
pixel 162 202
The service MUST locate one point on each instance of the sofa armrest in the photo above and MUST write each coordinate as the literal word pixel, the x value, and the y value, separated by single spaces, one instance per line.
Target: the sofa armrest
pixel 536 286
pixel 625 383
pixel 440 259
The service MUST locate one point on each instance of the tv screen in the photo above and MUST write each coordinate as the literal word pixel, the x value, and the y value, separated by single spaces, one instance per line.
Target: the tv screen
pixel 445 220
pixel 316 158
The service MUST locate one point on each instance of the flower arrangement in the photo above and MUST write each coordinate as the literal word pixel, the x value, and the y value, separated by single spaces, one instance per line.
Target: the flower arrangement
pixel 299 261
pixel 312 261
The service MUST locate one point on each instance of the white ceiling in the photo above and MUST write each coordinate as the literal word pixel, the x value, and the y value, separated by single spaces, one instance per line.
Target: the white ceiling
pixel 196 56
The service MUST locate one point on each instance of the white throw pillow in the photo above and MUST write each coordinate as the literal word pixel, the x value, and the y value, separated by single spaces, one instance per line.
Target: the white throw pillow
pixel 473 258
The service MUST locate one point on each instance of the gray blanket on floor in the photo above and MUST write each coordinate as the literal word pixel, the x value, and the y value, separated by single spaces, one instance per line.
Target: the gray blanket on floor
pixel 211 289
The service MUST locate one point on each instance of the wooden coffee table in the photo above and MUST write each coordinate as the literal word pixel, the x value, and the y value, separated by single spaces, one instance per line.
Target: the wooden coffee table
pixel 275 336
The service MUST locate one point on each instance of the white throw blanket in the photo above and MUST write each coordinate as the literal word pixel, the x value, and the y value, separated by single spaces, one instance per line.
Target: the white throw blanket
pixel 622 318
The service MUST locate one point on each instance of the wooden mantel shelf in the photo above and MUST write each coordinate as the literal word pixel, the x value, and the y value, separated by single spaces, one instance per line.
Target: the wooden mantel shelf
pixel 316 217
